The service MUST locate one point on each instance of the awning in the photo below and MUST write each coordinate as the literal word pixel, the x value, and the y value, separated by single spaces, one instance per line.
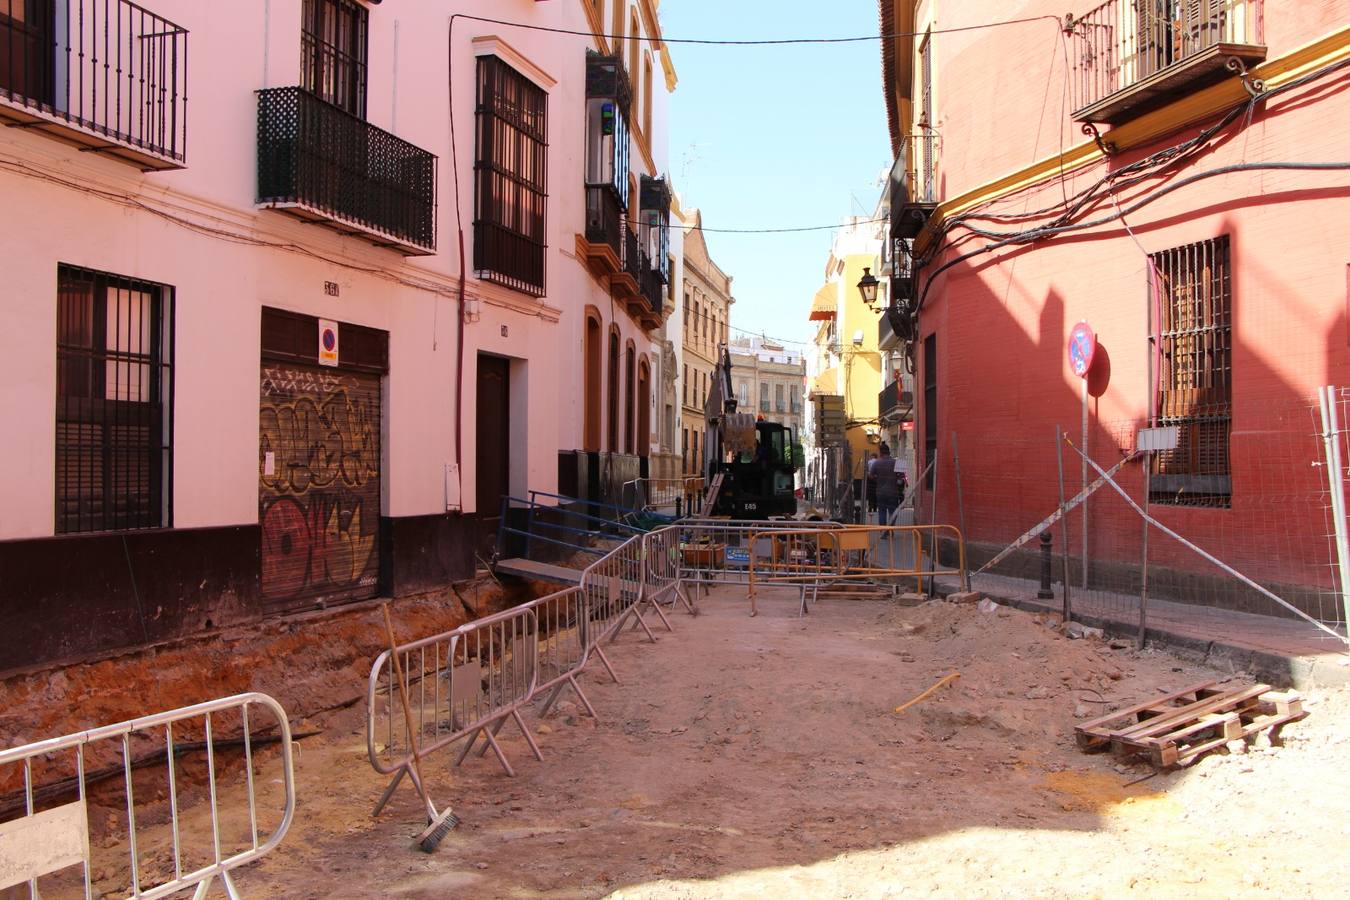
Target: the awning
pixel 824 305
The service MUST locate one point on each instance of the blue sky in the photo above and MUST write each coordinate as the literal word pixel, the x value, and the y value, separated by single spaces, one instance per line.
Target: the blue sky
pixel 771 137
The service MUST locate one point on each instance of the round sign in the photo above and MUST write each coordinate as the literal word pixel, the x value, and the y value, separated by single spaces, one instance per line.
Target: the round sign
pixel 1082 347
pixel 329 340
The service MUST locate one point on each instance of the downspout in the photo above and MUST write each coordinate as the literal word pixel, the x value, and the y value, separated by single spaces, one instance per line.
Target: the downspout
pixel 459 224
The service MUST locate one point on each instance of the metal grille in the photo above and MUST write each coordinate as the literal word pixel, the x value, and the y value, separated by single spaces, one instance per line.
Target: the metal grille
pixel 314 154
pixel 1195 389
pixel 114 430
pixel 333 53
pixel 510 195
pixel 106 66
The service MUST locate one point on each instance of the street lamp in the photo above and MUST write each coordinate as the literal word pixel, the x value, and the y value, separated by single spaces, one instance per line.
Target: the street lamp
pixel 867 286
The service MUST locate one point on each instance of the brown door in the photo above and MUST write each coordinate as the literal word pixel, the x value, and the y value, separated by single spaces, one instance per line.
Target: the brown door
pixel 493 451
pixel 318 485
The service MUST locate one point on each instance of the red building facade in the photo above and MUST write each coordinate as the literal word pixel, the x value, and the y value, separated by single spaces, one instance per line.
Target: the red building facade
pixel 1173 174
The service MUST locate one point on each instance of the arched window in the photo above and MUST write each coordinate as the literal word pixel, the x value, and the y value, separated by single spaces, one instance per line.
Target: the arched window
pixel 644 408
pixel 613 408
pixel 591 398
pixel 629 399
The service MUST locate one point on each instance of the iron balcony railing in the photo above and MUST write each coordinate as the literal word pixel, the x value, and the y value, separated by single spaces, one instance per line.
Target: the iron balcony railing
pixel 894 399
pixel 1124 42
pixel 317 157
pixel 632 254
pixel 653 285
pixel 108 69
pixel 604 218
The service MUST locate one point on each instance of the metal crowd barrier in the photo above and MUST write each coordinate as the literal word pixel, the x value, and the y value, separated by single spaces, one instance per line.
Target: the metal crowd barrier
pixel 662 553
pixel 717 551
pixel 613 587
pixel 813 557
pixel 43 841
pixel 562 637
pixel 464 683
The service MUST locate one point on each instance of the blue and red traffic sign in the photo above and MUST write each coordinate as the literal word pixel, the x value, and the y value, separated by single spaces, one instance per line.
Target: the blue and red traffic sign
pixel 1082 347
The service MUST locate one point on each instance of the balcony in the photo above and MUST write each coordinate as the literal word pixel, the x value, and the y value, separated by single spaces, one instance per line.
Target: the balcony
pixel 1130 60
pixel 602 246
pixel 104 75
pixel 894 404
pixel 322 164
pixel 913 185
pixel 653 286
pixel 894 329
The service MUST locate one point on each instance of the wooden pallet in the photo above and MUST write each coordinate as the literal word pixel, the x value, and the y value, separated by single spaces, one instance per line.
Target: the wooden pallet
pixel 1174 729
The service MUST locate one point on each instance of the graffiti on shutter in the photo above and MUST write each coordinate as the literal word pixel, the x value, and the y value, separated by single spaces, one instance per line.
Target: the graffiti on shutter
pixel 319 485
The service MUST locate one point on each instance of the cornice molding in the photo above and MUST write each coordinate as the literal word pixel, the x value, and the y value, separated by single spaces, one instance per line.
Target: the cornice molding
pixel 493 45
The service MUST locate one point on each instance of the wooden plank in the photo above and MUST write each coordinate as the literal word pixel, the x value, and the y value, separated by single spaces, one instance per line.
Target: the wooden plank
pixel 529 568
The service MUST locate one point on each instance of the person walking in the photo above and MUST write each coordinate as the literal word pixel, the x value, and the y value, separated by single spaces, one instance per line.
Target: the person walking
pixel 881 472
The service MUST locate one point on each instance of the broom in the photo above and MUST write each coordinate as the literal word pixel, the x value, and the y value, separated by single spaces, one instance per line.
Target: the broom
pixel 438 825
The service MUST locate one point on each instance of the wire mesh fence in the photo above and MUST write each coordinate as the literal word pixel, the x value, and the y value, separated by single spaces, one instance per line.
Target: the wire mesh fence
pixel 1238 545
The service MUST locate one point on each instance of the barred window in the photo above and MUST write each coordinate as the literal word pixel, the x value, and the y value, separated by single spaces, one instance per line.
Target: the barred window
pixel 510 189
pixel 333 40
pixel 1195 368
pixel 114 429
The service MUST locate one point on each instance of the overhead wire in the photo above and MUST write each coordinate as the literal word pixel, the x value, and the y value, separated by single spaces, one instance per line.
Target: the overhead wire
pixel 754 42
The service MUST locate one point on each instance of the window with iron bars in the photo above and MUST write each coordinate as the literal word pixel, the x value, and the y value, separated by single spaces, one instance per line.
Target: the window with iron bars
pixel 1195 369
pixel 511 188
pixel 333 41
pixel 114 402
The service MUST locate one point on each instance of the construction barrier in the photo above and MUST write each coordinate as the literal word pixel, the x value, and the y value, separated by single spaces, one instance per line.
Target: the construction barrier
pixel 814 557
pixel 662 554
pixel 467 683
pixel 563 632
pixel 613 587
pixel 717 551
pixel 48 837
pixel 464 683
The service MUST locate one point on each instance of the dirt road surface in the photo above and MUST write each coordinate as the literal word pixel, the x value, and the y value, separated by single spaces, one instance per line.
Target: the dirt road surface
pixel 761 757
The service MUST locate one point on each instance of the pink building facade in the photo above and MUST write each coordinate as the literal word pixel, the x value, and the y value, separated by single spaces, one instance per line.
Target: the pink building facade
pixel 298 291
pixel 1196 229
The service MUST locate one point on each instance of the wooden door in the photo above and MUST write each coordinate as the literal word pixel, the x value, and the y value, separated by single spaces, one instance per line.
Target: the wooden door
pixel 493 450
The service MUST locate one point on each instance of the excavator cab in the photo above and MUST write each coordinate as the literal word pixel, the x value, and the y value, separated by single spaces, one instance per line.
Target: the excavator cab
pixel 758 483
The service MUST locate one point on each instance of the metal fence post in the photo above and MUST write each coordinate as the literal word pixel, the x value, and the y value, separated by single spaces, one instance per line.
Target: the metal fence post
pixel 1331 443
pixel 1143 565
pixel 1063 518
pixel 960 503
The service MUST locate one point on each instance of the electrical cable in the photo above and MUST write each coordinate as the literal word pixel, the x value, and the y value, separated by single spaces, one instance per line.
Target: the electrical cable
pixel 1149 167
pixel 759 42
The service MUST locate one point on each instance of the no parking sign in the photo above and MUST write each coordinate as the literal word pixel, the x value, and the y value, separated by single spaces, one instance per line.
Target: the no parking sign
pixel 328 342
pixel 1082 347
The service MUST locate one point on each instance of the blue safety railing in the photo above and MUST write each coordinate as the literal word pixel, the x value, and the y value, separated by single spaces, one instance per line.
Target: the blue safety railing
pixel 571 523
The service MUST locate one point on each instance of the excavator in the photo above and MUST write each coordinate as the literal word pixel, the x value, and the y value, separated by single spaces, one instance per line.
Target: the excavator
pixel 751 463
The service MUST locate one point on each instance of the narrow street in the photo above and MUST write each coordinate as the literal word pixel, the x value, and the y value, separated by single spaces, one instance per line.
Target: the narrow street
pixel 744 757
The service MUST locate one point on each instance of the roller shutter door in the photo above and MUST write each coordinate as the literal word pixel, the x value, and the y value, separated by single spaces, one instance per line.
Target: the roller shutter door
pixel 318 485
